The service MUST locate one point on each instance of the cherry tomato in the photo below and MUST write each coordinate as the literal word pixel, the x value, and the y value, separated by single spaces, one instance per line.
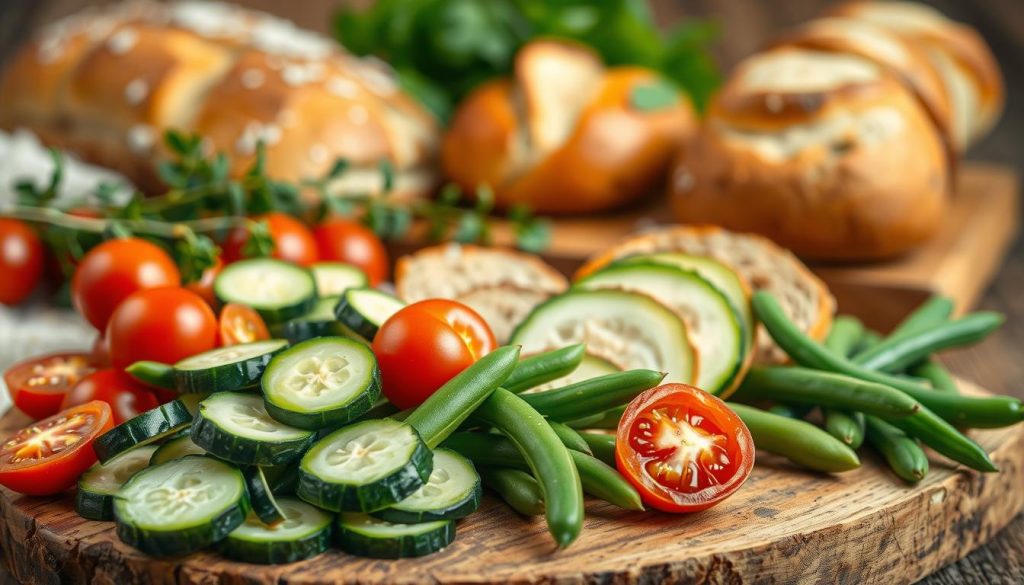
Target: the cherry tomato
pixel 204 286
pixel 162 325
pixel 240 324
pixel 682 448
pixel 21 261
pixel 126 397
pixel 47 457
pixel 38 385
pixel 292 240
pixel 99 356
pixel 426 344
pixel 343 240
pixel 115 269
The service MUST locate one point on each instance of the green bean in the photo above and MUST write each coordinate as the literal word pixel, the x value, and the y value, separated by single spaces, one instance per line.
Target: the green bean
pixel 548 459
pixel 594 395
pixel 455 401
pixel 848 427
pixel 897 353
pixel 797 411
pixel 935 310
pixel 797 440
pixel 569 437
pixel 906 458
pixel 545 367
pixel 937 375
pixel 152 374
pixel 807 386
pixel 938 434
pixel 517 488
pixel 602 446
pixel 492 449
pixel 845 334
pixel 867 341
pixel 607 420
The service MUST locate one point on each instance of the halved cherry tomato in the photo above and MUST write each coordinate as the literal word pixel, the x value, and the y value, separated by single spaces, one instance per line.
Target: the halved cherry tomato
pixel 344 240
pixel 115 269
pixel 292 240
pixel 160 324
pixel 38 385
pixel 240 324
pixel 204 286
pixel 21 261
pixel 47 457
pixel 126 397
pixel 426 344
pixel 682 448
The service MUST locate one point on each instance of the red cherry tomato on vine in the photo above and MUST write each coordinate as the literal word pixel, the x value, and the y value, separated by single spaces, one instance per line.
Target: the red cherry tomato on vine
pixel 48 456
pixel 204 286
pixel 38 385
pixel 126 397
pixel 240 324
pixel 115 269
pixel 162 325
pixel 21 261
pixel 682 448
pixel 343 240
pixel 292 240
pixel 426 344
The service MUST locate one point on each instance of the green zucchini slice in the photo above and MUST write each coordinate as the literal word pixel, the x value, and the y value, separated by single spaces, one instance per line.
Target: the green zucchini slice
pixel 304 533
pixel 226 368
pixel 321 383
pixel 149 427
pixel 334 278
pixel 97 486
pixel 365 467
pixel 319 322
pixel 275 289
pixel 176 448
pixel 235 426
pixel 453 491
pixel 364 310
pixel 181 506
pixel 261 498
pixel 366 536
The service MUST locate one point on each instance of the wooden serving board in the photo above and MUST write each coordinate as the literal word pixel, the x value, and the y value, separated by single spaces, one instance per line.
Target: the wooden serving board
pixel 785 525
pixel 960 261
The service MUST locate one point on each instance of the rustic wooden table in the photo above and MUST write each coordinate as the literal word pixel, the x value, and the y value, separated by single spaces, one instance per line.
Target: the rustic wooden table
pixel 997 364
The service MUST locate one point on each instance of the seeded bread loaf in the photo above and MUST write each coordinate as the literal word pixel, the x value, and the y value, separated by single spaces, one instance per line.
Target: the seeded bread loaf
pixel 501 284
pixel 106 83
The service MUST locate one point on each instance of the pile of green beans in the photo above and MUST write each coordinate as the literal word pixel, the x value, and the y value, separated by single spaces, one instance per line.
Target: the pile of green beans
pixel 887 392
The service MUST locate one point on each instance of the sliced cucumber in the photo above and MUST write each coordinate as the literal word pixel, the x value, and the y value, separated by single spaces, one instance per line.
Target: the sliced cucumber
pixel 97 486
pixel 334 278
pixel 365 467
pixel 633 329
pixel 319 322
pixel 713 324
pixel 226 368
pixel 148 427
pixel 235 426
pixel 261 498
pixel 453 491
pixel 364 310
pixel 282 479
pixel 590 366
pixel 275 289
pixel 304 533
pixel 175 448
pixel 366 536
pixel 181 506
pixel 321 383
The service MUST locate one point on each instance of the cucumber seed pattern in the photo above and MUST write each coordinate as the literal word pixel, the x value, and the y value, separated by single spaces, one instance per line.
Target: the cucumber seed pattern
pixel 314 375
pixel 186 492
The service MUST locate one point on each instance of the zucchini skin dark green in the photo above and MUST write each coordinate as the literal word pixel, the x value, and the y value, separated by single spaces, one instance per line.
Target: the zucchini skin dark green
pixel 145 428
pixel 299 330
pixel 282 479
pixel 464 508
pixel 280 552
pixel 227 377
pixel 93 506
pixel 183 542
pixel 261 497
pixel 395 548
pixel 240 450
pixel 350 317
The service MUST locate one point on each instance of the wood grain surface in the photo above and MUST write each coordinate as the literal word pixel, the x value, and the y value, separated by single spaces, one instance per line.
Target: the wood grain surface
pixel 785 525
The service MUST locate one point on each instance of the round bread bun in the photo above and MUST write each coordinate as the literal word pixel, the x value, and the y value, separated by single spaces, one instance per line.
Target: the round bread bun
pixel 756 260
pixel 824 153
pixel 960 55
pixel 565 136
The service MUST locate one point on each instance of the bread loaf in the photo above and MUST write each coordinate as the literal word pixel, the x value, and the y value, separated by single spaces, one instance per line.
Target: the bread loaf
pixel 565 135
pixel 106 83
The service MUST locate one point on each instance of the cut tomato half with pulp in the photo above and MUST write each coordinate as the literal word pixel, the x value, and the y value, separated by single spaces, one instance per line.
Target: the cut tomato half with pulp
pixel 48 456
pixel 683 449
pixel 241 324
pixel 38 385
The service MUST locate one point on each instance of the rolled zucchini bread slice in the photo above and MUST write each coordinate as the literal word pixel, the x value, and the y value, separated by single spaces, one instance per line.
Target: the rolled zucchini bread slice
pixel 501 284
pixel 765 266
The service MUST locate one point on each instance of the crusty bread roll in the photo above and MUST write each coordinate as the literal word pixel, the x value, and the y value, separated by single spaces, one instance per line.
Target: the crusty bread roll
pixel 501 284
pixel 565 135
pixel 762 264
pixel 959 54
pixel 106 84
pixel 825 153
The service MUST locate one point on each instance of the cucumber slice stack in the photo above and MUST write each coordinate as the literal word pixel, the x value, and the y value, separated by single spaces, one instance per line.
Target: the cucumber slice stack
pixel 226 368
pixel 334 278
pixel 319 322
pixel 364 310
pixel 181 506
pixel 235 426
pixel 98 485
pixel 148 427
pixel 175 448
pixel 275 289
pixel 366 536
pixel 261 498
pixel 321 383
pixel 304 533
pixel 453 491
